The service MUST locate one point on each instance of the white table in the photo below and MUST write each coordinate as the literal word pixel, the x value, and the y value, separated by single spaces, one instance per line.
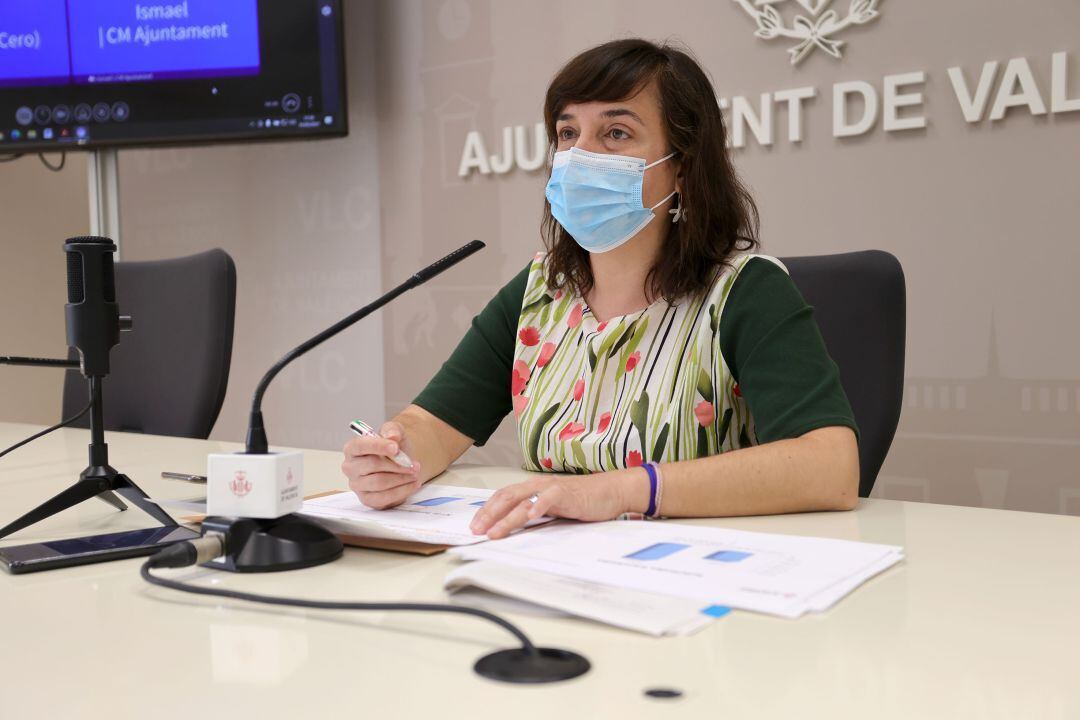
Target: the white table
pixel 982 620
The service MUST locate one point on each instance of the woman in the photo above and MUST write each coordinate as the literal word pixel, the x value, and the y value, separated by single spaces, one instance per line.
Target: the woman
pixel 648 359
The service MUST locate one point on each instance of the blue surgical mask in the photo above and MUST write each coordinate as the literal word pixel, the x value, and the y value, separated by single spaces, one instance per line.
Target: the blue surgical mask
pixel 597 197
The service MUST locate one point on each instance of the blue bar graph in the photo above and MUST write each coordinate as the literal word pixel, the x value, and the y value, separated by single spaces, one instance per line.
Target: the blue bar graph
pixel 657 551
pixel 728 556
pixel 436 501
pixel 716 611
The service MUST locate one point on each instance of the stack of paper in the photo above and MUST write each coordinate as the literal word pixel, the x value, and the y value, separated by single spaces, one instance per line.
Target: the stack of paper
pixel 645 612
pixel 782 575
pixel 436 514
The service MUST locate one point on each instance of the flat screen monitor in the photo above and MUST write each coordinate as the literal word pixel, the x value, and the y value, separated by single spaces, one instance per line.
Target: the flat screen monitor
pixel 87 74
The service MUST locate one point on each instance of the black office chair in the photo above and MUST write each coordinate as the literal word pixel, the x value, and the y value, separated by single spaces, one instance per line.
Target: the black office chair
pixel 168 374
pixel 860 304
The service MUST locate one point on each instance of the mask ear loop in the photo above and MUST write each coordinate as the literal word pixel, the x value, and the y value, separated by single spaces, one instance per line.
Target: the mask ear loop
pixel 673 192
pixel 666 157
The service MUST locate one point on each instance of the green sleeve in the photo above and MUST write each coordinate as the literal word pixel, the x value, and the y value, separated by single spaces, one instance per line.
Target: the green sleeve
pixel 471 391
pixel 775 352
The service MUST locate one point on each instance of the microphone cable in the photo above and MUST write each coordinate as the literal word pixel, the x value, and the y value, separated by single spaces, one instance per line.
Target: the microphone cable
pixel 55 168
pixel 46 431
pixel 41 156
pixel 212 545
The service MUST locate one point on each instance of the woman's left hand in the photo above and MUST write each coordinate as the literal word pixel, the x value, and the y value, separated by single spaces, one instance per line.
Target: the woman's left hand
pixel 600 496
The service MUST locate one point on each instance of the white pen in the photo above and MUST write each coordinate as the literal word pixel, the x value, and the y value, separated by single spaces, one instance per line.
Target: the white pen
pixel 362 428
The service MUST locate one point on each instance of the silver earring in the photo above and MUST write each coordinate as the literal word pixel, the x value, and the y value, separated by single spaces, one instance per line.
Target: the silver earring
pixel 678 212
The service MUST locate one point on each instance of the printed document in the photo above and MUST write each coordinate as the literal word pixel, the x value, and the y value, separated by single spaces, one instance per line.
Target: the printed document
pixel 782 575
pixel 436 514
pixel 644 612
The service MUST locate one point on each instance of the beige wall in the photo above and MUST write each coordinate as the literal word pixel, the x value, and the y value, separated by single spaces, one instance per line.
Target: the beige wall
pixel 983 217
pixel 301 220
pixel 39 209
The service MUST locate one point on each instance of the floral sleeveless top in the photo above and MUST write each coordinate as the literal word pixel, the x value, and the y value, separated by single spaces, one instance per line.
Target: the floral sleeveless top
pixel 593 396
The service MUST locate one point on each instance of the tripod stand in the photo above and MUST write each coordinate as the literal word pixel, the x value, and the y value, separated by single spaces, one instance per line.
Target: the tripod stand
pixel 99 479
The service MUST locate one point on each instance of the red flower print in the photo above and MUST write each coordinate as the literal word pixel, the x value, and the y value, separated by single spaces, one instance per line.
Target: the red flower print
pixel 519 377
pixel 633 459
pixel 546 462
pixel 601 326
pixel 546 351
pixel 520 402
pixel 737 391
pixel 571 431
pixel 529 336
pixel 575 316
pixel 605 420
pixel 704 413
pixel 632 361
pixel 579 389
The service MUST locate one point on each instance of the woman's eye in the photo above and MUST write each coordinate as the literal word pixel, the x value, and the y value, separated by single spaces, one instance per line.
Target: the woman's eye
pixel 622 134
pixel 566 134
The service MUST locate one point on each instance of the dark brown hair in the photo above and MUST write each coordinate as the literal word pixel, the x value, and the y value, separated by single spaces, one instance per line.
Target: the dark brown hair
pixel 721 216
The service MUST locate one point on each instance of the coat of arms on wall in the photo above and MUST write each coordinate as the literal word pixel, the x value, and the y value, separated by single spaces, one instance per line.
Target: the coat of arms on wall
pixel 814 31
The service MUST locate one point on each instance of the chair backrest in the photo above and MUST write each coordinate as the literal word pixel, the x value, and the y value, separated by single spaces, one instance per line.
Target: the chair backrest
pixel 169 373
pixel 860 304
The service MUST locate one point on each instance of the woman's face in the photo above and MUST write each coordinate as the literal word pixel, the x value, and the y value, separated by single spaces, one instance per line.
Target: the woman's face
pixel 633 127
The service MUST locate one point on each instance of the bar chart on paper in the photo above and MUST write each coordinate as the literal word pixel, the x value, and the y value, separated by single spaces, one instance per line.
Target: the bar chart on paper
pixel 776 574
pixel 657 551
pixel 661 550
pixel 436 514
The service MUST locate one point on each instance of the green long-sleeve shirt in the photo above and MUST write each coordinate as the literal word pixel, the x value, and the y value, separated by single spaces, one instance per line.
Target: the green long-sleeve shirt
pixel 768 338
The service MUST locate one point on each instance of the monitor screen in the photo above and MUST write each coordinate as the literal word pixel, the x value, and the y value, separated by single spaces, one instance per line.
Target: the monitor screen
pixel 84 74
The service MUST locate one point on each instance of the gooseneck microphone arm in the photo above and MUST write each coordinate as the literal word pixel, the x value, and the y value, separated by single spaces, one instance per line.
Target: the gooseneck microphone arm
pixel 256 438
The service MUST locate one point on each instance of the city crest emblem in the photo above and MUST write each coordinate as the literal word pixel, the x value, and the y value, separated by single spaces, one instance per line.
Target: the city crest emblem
pixel 240 485
pixel 813 31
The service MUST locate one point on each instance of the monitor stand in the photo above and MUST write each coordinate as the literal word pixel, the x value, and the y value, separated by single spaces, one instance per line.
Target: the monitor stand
pixel 103 184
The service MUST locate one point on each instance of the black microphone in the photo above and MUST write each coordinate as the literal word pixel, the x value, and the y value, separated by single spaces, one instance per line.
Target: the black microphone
pixel 256 437
pixel 93 322
pixel 91 313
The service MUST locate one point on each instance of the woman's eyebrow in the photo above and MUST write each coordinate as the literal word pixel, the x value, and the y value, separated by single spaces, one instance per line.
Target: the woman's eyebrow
pixel 614 112
pixel 622 112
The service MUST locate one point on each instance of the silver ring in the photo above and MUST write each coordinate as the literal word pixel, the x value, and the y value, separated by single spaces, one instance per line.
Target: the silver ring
pixel 534 498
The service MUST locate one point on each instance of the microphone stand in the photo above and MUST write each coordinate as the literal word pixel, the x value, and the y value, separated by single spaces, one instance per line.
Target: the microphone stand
pixel 245 544
pixel 99 479
pixel 290 542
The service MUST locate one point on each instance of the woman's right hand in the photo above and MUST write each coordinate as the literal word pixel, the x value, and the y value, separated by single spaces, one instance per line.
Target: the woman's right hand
pixel 377 480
